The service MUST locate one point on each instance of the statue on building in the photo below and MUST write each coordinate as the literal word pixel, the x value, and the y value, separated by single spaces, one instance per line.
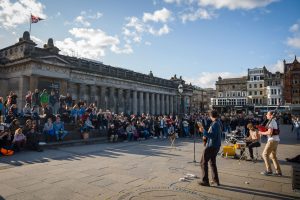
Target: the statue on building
pixel 151 74
pixel 50 46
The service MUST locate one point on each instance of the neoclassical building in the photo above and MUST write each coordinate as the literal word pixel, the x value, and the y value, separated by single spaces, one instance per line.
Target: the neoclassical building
pixel 24 67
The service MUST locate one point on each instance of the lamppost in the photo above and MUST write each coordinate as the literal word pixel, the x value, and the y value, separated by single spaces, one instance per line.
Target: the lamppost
pixel 180 91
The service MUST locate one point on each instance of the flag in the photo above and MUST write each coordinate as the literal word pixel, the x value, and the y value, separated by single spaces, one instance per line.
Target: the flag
pixel 35 19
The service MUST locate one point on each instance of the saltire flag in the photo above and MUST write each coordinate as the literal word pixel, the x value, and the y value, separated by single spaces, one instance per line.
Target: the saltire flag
pixel 35 19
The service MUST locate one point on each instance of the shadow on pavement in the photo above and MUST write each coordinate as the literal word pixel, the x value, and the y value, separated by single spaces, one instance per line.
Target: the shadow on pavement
pixel 257 193
pixel 112 150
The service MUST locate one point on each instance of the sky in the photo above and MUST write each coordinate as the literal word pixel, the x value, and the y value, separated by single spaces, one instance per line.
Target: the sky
pixel 196 39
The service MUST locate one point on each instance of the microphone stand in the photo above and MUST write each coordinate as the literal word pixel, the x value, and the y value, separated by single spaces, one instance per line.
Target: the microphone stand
pixel 194 161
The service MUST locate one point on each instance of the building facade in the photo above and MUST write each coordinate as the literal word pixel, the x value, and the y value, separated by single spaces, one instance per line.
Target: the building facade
pixel 200 101
pixel 256 86
pixel 291 84
pixel 25 67
pixel 231 94
pixel 274 88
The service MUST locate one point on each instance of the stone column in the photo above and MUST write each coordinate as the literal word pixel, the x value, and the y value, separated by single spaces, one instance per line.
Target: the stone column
pixel 102 99
pixel 141 102
pixel 167 105
pixel 23 88
pixel 94 98
pixel 120 101
pixel 158 111
pixel 176 104
pixel 152 103
pixel 128 102
pixel 72 89
pixel 33 82
pixel 147 105
pixel 82 92
pixel 172 104
pixel 134 102
pixel 163 110
pixel 112 100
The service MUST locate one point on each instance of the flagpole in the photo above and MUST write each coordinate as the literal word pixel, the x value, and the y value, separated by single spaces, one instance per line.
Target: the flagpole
pixel 30 25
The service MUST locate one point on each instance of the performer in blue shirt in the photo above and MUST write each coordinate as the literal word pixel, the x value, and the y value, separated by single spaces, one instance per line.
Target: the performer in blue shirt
pixel 212 142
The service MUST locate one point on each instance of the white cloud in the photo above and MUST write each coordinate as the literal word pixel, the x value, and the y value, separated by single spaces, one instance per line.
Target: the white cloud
pixel 135 23
pixel 294 28
pixel 236 4
pixel 18 12
pixel 208 79
pixel 162 15
pixel 90 43
pixel 81 20
pixel 148 43
pixel 162 31
pixel 198 14
pixel 294 42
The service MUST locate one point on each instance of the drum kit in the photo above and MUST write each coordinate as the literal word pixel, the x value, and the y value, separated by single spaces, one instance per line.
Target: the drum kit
pixel 234 141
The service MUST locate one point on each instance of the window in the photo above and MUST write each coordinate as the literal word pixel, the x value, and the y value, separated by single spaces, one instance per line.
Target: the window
pixel 260 92
pixel 250 85
pixel 255 85
pixel 255 92
pixel 260 85
pixel 250 92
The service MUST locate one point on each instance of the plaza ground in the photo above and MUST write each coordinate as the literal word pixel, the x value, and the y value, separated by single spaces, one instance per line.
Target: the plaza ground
pixel 148 169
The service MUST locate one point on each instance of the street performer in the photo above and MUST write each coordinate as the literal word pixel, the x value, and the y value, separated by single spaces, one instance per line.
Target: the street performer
pixel 270 150
pixel 253 140
pixel 212 147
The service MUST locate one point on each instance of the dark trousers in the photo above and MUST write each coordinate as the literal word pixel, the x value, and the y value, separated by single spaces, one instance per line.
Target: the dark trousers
pixel 250 146
pixel 209 155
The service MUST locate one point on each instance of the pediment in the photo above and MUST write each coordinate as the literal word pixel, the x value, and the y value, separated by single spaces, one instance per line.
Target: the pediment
pixel 54 60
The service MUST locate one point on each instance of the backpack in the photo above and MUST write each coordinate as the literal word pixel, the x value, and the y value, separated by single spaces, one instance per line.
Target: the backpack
pixel 7 152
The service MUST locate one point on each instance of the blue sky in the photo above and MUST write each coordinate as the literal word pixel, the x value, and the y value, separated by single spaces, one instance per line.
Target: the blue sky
pixel 196 39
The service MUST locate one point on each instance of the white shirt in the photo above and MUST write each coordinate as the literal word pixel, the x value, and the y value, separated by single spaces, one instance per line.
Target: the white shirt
pixel 273 125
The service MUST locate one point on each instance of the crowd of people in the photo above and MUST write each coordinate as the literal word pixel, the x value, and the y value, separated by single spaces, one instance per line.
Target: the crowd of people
pixel 45 115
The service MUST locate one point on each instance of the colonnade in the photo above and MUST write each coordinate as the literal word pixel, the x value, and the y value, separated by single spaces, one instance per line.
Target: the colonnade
pixel 128 101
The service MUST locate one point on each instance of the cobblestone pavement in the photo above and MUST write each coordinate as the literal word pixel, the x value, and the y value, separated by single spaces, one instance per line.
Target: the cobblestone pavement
pixel 140 170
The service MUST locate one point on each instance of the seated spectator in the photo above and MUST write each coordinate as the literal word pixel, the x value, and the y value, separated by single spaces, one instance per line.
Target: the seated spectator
pixel 59 129
pixel 15 124
pixel 9 118
pixel 74 113
pixel 14 110
pixel 19 140
pixel 112 133
pixel 93 118
pixel 48 129
pixel 32 136
pixel 27 111
pixel 35 114
pixel 48 113
pixel 64 113
pixel 87 126
pixel 69 100
pixel 5 135
pixel 122 133
pixel 130 130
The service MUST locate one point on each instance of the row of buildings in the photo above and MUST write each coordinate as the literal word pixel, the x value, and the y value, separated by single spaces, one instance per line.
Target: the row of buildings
pixel 24 67
pixel 260 90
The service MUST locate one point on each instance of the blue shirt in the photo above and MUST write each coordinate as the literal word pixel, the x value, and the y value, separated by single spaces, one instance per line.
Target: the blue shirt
pixel 214 135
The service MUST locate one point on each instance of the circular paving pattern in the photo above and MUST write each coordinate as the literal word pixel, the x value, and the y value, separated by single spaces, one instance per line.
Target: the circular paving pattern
pixel 163 193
